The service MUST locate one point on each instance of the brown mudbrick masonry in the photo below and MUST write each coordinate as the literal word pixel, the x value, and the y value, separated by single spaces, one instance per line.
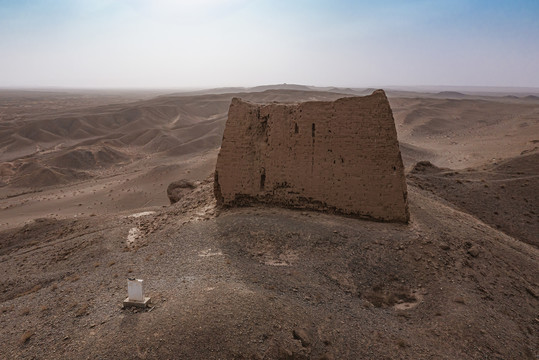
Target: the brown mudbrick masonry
pixel 341 156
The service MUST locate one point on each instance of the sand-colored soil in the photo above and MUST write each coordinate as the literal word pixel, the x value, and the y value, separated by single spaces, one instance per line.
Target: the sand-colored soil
pixel 83 204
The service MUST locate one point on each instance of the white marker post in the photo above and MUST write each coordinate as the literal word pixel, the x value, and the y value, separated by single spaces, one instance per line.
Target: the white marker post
pixel 135 294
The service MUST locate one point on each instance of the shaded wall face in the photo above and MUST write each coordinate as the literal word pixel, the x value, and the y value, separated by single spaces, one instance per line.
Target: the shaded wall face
pixel 341 156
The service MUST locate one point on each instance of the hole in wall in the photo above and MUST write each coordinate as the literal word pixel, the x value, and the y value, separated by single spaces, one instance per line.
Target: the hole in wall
pixel 262 179
pixel 312 129
pixel 296 129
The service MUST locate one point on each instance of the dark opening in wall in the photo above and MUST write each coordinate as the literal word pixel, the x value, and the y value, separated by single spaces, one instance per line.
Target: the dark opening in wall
pixel 262 179
pixel 296 129
pixel 313 128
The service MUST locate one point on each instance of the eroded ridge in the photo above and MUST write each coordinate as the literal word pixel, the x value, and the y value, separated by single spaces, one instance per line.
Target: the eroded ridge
pixel 340 156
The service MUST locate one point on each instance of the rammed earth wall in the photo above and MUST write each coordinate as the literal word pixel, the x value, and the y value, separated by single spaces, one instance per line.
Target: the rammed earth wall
pixel 341 156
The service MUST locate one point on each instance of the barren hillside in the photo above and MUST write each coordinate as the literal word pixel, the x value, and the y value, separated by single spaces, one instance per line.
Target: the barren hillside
pixel 84 206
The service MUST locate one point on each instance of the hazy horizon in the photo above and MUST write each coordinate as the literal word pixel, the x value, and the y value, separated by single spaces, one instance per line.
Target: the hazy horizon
pixel 187 44
pixel 495 90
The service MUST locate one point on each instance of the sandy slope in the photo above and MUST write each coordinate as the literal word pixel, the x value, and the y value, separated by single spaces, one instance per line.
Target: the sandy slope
pixel 460 281
pixel 459 133
pixel 504 195
pixel 271 283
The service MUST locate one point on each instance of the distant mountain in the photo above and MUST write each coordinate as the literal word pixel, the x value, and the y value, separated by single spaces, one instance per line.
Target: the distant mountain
pixel 451 95
pixel 281 87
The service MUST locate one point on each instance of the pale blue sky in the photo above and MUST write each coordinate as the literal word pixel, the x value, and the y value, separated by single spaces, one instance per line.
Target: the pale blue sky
pixel 210 43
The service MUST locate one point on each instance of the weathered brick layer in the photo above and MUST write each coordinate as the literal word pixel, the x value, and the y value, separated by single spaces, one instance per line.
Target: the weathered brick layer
pixel 338 156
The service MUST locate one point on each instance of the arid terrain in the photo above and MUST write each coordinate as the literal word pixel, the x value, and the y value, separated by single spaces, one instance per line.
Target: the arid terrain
pixel 84 206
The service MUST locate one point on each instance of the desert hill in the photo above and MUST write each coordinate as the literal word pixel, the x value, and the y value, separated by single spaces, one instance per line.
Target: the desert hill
pixel 269 282
pixel 467 132
pixel 504 195
pixel 178 125
pixel 180 118
pixel 84 206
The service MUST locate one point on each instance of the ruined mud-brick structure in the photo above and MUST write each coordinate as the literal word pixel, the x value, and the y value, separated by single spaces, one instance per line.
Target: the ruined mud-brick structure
pixel 341 156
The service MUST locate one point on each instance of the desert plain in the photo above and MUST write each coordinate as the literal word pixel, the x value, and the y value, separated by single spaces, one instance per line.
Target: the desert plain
pixel 84 206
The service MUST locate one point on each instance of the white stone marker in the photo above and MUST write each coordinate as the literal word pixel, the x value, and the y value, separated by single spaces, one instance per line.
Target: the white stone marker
pixel 135 294
pixel 134 289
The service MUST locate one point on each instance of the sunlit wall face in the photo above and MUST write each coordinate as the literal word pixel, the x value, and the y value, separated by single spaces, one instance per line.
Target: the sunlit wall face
pixel 210 43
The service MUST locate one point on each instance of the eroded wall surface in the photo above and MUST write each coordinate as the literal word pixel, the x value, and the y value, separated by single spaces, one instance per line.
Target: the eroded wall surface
pixel 340 156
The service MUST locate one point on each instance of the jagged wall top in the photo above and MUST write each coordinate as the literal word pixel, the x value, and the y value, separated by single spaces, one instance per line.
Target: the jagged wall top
pixel 338 156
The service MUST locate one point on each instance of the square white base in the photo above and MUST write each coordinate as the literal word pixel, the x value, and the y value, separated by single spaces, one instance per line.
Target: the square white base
pixel 141 304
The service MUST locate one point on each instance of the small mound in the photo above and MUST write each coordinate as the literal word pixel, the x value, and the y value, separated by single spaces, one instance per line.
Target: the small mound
pixel 162 171
pixel 38 176
pixel 7 169
pixel 47 229
pixel 411 154
pixel 162 142
pixel 435 126
pixel 177 190
pixel 15 144
pixel 526 163
pixel 140 138
pixel 425 167
pixel 88 158
pixel 197 145
pixel 107 156
pixel 35 134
